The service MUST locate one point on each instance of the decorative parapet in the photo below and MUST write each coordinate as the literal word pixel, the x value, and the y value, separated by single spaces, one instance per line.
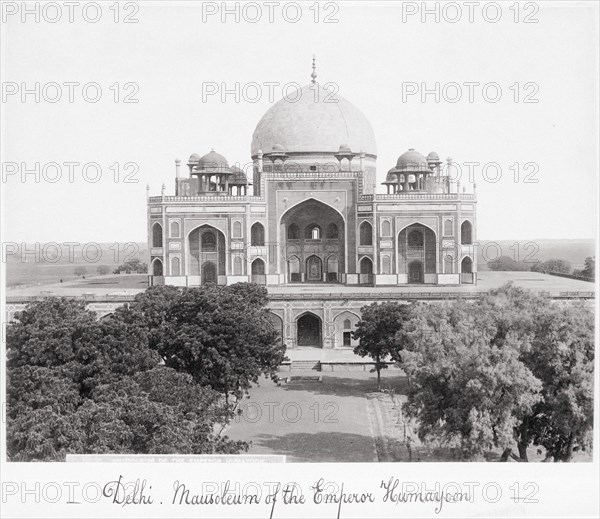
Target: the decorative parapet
pixel 210 198
pixel 419 196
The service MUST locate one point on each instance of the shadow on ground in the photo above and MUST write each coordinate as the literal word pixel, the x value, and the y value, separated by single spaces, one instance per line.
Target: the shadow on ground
pixel 357 386
pixel 319 447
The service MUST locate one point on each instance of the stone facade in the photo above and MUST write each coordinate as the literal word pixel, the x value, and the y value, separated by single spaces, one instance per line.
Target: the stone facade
pixel 312 215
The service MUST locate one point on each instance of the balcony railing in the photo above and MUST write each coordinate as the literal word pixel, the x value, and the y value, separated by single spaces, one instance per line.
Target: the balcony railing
pixel 419 195
pixel 206 198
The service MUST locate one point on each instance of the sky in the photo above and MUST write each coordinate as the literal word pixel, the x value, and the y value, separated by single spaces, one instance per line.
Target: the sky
pixel 376 54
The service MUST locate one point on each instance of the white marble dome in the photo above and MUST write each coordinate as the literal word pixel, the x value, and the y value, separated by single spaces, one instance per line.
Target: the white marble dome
pixel 314 123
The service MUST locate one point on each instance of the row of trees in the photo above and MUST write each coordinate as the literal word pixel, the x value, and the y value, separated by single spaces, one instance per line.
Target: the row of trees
pixel 134 266
pixel 512 370
pixel 558 266
pixel 160 375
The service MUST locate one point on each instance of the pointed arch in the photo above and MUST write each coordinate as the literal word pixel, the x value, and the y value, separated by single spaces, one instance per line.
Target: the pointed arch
pixel 157 267
pixel 314 269
pixel 205 243
pixel 237 229
pixel 311 199
pixel 209 273
pixel 309 330
pixel 208 242
pixel 386 264
pixel 157 235
pixel 415 272
pixel 294 275
pixel 257 234
pixel 466 265
pixel 175 231
pixel 175 266
pixel 448 264
pixel 466 233
pixel 366 234
pixel 258 271
pixel 344 324
pixel 448 227
pixel 386 228
pixel 312 231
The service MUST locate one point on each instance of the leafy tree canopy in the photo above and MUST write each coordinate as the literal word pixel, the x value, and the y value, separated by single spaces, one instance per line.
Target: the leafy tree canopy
pixel 376 332
pixel 513 367
pixel 222 336
pixel 79 385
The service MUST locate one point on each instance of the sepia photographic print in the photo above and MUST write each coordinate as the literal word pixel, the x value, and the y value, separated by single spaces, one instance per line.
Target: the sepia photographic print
pixel 299 259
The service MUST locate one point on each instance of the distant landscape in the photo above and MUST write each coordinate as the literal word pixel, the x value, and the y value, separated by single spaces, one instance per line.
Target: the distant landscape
pixel 573 251
pixel 51 267
pixel 47 268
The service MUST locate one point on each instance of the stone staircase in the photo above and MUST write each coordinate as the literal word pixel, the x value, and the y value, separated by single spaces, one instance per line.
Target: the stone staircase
pixel 306 365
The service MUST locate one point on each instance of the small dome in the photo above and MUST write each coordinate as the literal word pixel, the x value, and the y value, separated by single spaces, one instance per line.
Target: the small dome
pixel 391 176
pixel 278 148
pixel 238 178
pixel 433 157
pixel 213 161
pixel 194 157
pixel 344 148
pixel 411 161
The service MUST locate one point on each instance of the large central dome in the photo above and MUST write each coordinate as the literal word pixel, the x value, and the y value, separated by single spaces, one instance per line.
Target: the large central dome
pixel 310 120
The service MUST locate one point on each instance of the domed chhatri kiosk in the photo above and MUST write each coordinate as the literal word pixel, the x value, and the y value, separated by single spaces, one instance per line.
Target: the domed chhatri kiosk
pixel 304 212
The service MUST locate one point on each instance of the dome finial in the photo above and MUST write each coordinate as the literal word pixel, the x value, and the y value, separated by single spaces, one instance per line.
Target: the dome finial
pixel 314 72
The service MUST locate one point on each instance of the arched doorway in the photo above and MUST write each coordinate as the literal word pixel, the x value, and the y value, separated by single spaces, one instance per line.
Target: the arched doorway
pixel 415 272
pixel 314 269
pixel 294 270
pixel 206 246
pixel 157 268
pixel 417 253
pixel 332 268
pixel 313 231
pixel 209 273
pixel 309 331
pixel 366 271
pixel 258 272
pixel 466 270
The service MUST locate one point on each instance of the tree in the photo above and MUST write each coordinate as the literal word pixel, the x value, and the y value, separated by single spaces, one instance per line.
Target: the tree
pixel 506 263
pixel 468 388
pixel 552 265
pixel 589 270
pixel 102 270
pixel 562 358
pixel 222 336
pixel 80 271
pixel 79 385
pixel 133 266
pixel 514 367
pixel 376 332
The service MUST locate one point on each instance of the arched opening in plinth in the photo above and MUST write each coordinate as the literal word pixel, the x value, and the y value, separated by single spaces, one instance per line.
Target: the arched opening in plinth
pixel 308 331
